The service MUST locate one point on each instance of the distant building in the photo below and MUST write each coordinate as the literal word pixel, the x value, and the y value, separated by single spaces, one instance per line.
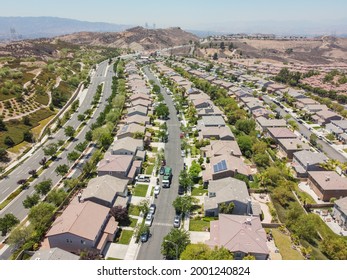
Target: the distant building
pixel 340 212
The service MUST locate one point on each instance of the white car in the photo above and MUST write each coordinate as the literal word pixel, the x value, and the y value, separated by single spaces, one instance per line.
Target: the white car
pixel 156 190
pixel 149 219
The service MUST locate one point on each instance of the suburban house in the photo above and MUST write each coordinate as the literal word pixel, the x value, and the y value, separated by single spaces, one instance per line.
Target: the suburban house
pixel 277 133
pixel 210 121
pixel 275 87
pixel 327 184
pixel 342 124
pixel 253 105
pixel 340 212
pixel 137 110
pixel 261 112
pixel 304 161
pixel 142 102
pixel 241 235
pixel 303 102
pixel 139 96
pixel 82 225
pixel 105 190
pixel 224 166
pixel 126 146
pixel 115 165
pixel 201 103
pixel 296 94
pixel 138 119
pixel 263 123
pixel 332 128
pixel 128 130
pixel 216 133
pixel 315 108
pixel 290 146
pixel 54 254
pixel 227 190
pixel 221 147
pixel 211 110
pixel 326 116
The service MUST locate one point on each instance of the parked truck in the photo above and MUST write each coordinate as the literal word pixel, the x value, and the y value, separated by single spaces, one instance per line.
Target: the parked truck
pixel 167 177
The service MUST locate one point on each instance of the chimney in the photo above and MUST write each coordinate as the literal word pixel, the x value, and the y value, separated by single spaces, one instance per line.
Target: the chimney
pixel 327 178
pixel 232 152
pixel 307 165
pixel 108 160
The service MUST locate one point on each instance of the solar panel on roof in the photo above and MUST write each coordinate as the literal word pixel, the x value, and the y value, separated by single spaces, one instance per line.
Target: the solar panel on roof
pixel 220 166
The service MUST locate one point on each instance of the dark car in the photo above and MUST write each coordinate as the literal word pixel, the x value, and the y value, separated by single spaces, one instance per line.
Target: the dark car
pixel 180 190
pixel 144 236
pixel 162 170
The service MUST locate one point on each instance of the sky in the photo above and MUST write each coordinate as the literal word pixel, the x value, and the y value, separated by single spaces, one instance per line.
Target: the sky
pixel 188 14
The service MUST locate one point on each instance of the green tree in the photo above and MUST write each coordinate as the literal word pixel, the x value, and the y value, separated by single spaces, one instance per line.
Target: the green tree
pixel 7 223
pixel 245 143
pixel 62 169
pixel 3 155
pixel 262 160
pixel 162 111
pixel 80 147
pixel 185 180
pixel 2 125
pixel 69 131
pixel 50 150
pixel 246 126
pixel 31 201
pixel 28 136
pixel 103 137
pixel 40 215
pixel 81 117
pixel 249 258
pixel 43 187
pixel 194 171
pixel 20 235
pixel 144 207
pixel 26 120
pixel 215 56
pixel 226 208
pixel 174 243
pixel 73 156
pixel 56 197
pixel 202 251
pixel 222 46
pixel 8 141
pixel 184 204
pixel 89 135
pixel 313 139
pixel 259 147
pixel 334 248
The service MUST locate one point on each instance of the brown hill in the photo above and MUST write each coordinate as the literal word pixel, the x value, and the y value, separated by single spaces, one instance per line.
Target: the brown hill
pixel 136 38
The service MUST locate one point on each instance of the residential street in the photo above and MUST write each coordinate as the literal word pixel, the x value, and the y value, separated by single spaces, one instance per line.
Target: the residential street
pixel 330 151
pixel 103 73
pixel 164 216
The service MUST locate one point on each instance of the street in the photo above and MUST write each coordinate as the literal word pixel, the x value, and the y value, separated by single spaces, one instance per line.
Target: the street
pixel 103 73
pixel 330 151
pixel 164 216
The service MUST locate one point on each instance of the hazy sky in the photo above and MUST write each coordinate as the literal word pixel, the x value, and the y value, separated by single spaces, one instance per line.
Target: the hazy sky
pixel 191 14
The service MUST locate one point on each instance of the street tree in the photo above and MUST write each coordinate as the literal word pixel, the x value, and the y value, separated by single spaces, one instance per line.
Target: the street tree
pixel 184 204
pixel 69 131
pixel 102 136
pixel 20 235
pixel 174 243
pixel 73 156
pixel 56 197
pixel 43 187
pixel 185 180
pixel 62 169
pixel 194 171
pixel 50 150
pixel 162 111
pixel 7 223
pixel 31 201
pixel 144 207
pixel 40 215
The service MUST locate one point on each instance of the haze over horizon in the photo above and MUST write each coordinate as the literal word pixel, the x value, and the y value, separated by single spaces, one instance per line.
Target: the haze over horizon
pixel 269 16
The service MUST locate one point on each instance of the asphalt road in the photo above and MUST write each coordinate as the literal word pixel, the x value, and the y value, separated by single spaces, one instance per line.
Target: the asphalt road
pixel 165 213
pixel 104 74
pixel 327 149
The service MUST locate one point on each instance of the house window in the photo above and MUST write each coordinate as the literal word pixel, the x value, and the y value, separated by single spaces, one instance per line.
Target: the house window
pixel 211 194
pixel 83 242
pixel 67 240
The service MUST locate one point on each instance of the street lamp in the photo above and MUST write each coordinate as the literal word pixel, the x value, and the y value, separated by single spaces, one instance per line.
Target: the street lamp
pixel 176 246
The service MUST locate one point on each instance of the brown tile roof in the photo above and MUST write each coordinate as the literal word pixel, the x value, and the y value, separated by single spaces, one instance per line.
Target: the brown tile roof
pixel 116 163
pixel 81 219
pixel 329 180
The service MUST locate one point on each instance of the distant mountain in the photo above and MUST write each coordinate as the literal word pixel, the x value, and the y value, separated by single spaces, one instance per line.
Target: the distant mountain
pixel 137 38
pixel 47 27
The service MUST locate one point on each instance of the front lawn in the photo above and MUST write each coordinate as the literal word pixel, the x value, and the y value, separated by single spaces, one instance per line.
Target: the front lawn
pixel 198 191
pixel 284 245
pixel 125 237
pixel 133 222
pixel 140 190
pixel 202 224
pixel 134 210
pixel 149 169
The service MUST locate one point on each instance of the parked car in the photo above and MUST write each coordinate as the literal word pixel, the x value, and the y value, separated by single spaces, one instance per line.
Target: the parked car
pixel 149 219
pixel 143 178
pixel 180 190
pixel 156 190
pixel 144 236
pixel 152 208
pixel 161 171
pixel 177 221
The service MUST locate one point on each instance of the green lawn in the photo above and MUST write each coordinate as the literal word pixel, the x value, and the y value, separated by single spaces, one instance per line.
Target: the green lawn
pixel 112 259
pixel 134 210
pixel 149 169
pixel 140 190
pixel 198 191
pixel 154 149
pixel 284 244
pixel 303 196
pixel 201 224
pixel 133 222
pixel 125 237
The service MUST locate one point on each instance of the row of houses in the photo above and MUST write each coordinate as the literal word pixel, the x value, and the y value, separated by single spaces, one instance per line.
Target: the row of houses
pixel 224 161
pixel 86 222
